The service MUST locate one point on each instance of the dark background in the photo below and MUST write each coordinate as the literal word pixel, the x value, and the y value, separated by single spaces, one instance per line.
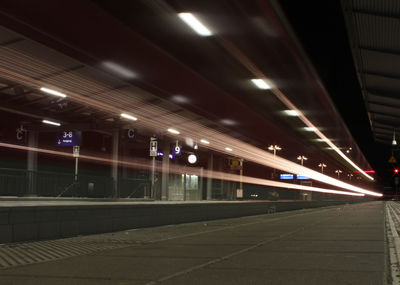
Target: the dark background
pixel 321 29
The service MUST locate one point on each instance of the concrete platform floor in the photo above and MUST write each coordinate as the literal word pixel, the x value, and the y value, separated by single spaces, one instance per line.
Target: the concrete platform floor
pixel 334 245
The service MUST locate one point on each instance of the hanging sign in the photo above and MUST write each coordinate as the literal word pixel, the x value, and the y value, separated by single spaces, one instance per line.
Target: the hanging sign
pixel 69 138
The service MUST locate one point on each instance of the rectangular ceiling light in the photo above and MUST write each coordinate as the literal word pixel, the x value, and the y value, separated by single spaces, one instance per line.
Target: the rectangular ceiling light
pixel 292 113
pixel 204 141
pixel 228 149
pixel 173 131
pixel 195 24
pixel 53 92
pixel 119 69
pixel 129 117
pixel 260 83
pixel 309 129
pixel 51 123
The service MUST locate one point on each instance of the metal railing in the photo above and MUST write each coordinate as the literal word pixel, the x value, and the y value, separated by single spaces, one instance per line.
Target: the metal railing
pixel 21 182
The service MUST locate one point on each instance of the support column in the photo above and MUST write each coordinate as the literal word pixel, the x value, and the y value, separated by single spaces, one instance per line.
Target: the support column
pixel 241 178
pixel 33 138
pixel 114 166
pixel 209 179
pixel 165 173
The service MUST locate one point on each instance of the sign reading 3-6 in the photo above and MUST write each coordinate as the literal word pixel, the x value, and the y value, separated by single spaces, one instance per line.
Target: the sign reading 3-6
pixel 67 135
pixel 69 138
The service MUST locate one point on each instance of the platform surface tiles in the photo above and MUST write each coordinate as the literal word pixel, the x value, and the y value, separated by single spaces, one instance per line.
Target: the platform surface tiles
pixel 346 244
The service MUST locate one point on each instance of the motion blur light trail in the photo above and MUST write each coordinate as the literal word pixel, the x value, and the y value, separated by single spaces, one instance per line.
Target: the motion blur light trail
pixel 247 63
pixel 176 169
pixel 19 67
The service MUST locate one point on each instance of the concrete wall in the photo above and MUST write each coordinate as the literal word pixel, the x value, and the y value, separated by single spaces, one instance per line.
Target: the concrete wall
pixel 49 222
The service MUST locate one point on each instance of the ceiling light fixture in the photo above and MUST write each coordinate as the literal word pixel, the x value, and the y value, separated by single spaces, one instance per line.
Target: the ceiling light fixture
pixel 119 70
pixel 291 113
pixel 129 117
pixel 195 24
pixel 204 141
pixel 173 131
pixel 53 92
pixel 261 84
pixel 51 123
pixel 310 129
pixel 228 149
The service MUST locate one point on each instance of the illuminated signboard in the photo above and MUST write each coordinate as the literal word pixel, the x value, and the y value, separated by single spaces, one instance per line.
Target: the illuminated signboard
pixel 176 150
pixel 302 177
pixel 69 138
pixel 286 176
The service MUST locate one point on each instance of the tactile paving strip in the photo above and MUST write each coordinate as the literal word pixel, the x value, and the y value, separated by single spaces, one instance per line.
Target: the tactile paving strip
pixel 42 251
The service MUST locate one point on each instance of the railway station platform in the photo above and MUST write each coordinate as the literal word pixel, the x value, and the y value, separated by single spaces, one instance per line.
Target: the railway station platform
pixel 38 218
pixel 341 244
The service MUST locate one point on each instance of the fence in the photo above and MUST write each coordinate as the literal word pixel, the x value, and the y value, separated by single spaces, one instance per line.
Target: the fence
pixel 20 182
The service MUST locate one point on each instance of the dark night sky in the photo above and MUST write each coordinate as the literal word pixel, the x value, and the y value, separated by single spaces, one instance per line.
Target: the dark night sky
pixel 320 27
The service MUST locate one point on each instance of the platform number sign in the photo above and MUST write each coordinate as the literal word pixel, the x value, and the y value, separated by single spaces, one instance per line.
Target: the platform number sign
pixel 68 135
pixel 69 138
pixel 177 150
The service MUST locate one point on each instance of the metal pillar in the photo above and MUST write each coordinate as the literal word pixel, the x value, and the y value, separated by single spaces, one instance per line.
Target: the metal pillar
pixel 33 138
pixel 152 178
pixel 241 176
pixel 165 173
pixel 209 179
pixel 76 169
pixel 114 166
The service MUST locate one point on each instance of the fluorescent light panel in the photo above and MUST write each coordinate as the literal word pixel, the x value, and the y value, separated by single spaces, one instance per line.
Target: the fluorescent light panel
pixel 173 131
pixel 228 149
pixel 204 141
pixel 261 84
pixel 195 24
pixel 309 129
pixel 119 70
pixel 51 123
pixel 129 117
pixel 292 113
pixel 53 92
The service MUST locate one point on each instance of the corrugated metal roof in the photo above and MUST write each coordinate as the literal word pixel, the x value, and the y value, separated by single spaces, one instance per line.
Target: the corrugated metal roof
pixel 374 33
pixel 378 32
pixel 385 7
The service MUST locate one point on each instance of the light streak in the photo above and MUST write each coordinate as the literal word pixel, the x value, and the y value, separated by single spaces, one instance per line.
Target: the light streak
pixel 247 63
pixel 177 169
pixel 15 66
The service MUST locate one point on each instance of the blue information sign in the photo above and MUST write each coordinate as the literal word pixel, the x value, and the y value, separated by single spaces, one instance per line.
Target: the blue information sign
pixel 177 150
pixel 69 138
pixel 286 176
pixel 302 177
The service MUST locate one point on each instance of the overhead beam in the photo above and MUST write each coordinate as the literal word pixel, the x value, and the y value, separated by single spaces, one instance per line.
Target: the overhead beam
pixel 382 74
pixel 383 93
pixel 379 50
pixel 375 14
pixel 383 104
pixel 384 114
